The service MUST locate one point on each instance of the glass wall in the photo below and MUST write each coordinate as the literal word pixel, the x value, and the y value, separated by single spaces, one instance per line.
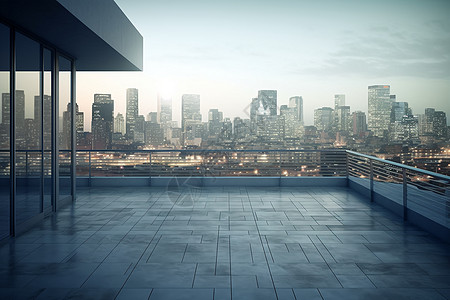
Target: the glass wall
pixel 28 128
pixel 65 128
pixel 5 163
pixel 42 126
pixel 47 129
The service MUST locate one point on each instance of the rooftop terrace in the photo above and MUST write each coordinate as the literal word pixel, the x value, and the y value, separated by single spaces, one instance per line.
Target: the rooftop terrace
pixel 224 243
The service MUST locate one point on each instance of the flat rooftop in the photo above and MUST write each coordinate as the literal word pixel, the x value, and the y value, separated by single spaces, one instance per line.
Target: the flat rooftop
pixel 224 243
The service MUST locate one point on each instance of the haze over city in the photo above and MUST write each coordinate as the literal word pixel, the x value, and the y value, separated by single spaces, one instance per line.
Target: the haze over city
pixel 227 51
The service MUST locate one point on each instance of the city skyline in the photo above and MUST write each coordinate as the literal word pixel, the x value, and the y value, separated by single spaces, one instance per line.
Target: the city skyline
pixel 387 119
pixel 308 116
pixel 310 49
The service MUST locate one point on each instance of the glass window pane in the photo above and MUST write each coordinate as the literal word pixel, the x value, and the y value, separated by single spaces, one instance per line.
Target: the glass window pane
pixel 47 128
pixel 65 137
pixel 5 166
pixel 28 128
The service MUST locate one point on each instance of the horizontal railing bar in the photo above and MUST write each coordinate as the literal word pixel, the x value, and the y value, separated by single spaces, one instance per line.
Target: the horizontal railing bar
pixel 399 165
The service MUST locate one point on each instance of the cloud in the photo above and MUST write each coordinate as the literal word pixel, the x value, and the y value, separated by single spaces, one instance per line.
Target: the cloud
pixel 387 52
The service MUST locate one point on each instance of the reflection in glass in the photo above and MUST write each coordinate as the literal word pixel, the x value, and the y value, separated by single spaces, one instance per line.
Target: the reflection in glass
pixel 65 136
pixel 47 129
pixel 5 166
pixel 28 129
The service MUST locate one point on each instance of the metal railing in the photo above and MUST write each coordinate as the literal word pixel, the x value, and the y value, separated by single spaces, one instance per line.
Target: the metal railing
pixel 409 189
pixel 426 193
pixel 29 163
pixel 210 163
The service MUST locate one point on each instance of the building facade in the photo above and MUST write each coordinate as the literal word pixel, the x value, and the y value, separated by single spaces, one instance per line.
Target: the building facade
pixel 379 113
pixel 37 84
pixel 132 111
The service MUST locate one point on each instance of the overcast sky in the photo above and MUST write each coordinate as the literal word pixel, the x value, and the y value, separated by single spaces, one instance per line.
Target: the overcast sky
pixel 228 50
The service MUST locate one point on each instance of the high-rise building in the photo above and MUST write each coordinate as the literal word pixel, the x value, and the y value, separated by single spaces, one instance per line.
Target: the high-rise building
pixel 6 109
pixel 396 127
pixel 139 129
pixel 292 127
pixel 433 123
pixel 241 128
pixel 102 121
pixel 267 103
pixel 132 111
pixel 339 100
pixel 190 109
pixel 19 115
pixel 359 125
pixel 31 134
pixel 440 124
pixel 215 123
pixel 380 104
pixel 269 128
pixel 154 135
pixel 254 105
pixel 410 126
pixel 152 117
pixel 226 132
pixel 426 122
pixel 296 103
pixel 399 109
pixel 323 118
pixel 343 121
pixel 164 109
pixel 119 124
pixel 66 138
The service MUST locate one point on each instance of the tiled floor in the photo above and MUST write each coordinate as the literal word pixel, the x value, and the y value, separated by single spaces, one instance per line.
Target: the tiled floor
pixel 224 243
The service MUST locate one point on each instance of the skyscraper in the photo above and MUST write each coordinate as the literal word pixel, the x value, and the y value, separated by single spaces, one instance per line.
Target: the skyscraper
pixel 152 117
pixel 343 118
pixel 339 100
pixel 190 110
pixel 102 121
pixel 119 124
pixel 380 104
pixel 296 103
pixel 399 109
pixel 132 111
pixel 292 127
pixel 269 128
pixel 6 112
pixel 359 124
pixel 241 128
pixel 440 124
pixel 215 122
pixel 267 103
pixel 139 129
pixel 154 135
pixel 66 138
pixel 164 110
pixel 323 118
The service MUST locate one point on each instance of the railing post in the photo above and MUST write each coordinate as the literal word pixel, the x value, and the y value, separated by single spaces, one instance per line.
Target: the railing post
pixel 279 165
pixel 405 195
pixel 26 163
pixel 371 179
pixel 347 166
pixel 89 183
pixel 149 168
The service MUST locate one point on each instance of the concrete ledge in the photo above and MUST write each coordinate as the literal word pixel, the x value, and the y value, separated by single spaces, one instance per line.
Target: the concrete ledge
pixel 413 217
pixel 388 204
pixel 360 188
pixel 426 224
pixel 313 181
pixel 212 181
